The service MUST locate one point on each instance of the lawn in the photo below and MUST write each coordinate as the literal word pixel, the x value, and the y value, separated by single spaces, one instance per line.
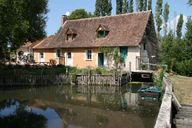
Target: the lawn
pixel 182 88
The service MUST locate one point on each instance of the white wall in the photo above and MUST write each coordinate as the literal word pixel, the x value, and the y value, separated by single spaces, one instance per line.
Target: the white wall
pixel 133 53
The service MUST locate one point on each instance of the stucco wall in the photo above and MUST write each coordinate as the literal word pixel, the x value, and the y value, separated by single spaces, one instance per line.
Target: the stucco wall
pixel 133 53
pixel 48 54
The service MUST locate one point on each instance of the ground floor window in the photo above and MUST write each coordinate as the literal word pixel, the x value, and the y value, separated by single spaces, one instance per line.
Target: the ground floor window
pixel 69 55
pixel 58 53
pixel 41 55
pixel 89 54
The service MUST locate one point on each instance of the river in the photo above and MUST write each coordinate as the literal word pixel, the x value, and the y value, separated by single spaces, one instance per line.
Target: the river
pixel 62 106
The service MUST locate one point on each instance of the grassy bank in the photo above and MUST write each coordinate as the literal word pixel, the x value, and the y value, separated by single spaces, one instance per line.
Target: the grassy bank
pixel 182 88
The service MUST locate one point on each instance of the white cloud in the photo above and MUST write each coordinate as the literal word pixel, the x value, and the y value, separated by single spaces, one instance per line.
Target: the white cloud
pixel 67 13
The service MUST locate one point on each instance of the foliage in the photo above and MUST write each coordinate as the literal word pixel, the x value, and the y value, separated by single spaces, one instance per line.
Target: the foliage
pixel 140 5
pixel 103 7
pixel 158 14
pixel 79 14
pixel 125 7
pixel 179 26
pixel 21 21
pixel 131 6
pixel 184 67
pixel 149 5
pixel 166 17
pixel 190 2
pixel 145 5
pixel 119 6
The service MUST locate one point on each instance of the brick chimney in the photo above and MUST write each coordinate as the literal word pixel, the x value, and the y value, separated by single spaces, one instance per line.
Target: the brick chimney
pixel 63 19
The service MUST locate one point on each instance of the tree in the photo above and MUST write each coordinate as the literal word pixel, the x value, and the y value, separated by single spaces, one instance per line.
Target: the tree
pixel 140 5
pixel 188 34
pixel 145 5
pixel 166 17
pixel 179 26
pixel 103 7
pixel 21 21
pixel 190 2
pixel 119 6
pixel 131 6
pixel 149 4
pixel 158 14
pixel 78 14
pixel 125 7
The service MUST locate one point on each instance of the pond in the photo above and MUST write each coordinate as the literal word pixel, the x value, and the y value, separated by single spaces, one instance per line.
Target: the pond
pixel 63 106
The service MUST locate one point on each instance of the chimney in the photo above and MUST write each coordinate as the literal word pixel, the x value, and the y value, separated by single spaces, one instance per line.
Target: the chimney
pixel 63 19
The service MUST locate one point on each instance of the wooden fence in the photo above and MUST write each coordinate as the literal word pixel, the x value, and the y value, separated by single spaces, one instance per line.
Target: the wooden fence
pixel 33 80
pixel 102 79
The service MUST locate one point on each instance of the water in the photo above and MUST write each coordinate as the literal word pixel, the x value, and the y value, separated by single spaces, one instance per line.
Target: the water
pixel 62 106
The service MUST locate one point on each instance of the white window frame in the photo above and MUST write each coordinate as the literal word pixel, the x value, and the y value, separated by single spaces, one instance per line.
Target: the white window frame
pixel 87 56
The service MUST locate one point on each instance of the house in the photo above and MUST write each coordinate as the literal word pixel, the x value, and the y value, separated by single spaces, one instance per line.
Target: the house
pixel 78 42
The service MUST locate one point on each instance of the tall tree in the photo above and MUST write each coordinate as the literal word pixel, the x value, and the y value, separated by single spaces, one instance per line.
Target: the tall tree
pixel 145 5
pixel 166 17
pixel 78 14
pixel 119 6
pixel 179 26
pixel 149 5
pixel 125 6
pixel 190 2
pixel 103 7
pixel 131 6
pixel 188 34
pixel 158 16
pixel 140 5
pixel 21 21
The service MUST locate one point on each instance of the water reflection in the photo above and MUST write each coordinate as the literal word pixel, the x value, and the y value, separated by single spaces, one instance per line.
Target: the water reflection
pixel 10 109
pixel 65 106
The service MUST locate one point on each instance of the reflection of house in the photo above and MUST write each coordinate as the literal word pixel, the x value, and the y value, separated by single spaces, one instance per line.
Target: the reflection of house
pixel 78 42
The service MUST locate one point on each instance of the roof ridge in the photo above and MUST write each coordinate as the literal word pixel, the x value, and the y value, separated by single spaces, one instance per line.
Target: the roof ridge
pixel 103 17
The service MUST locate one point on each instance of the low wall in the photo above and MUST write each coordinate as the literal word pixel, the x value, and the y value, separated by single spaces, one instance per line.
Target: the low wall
pixel 33 80
pixel 164 116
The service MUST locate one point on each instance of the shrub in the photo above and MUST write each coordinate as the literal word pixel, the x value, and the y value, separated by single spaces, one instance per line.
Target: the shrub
pixel 183 67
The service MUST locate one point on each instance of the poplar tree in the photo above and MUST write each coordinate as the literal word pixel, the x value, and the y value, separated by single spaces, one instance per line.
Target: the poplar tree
pixel 103 7
pixel 145 5
pixel 179 26
pixel 190 2
pixel 166 17
pixel 131 6
pixel 119 6
pixel 140 5
pixel 125 6
pixel 158 16
pixel 149 4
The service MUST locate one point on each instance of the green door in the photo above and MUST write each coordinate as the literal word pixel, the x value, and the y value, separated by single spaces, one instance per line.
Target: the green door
pixel 100 59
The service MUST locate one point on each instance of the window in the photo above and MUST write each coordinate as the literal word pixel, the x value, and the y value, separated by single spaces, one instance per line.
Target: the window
pixel 41 55
pixel 102 34
pixel 69 55
pixel 88 54
pixel 58 53
pixel 144 46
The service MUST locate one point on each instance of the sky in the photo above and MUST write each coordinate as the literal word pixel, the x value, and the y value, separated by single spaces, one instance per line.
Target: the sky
pixel 57 8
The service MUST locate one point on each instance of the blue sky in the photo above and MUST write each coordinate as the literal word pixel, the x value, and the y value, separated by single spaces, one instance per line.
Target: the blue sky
pixel 59 7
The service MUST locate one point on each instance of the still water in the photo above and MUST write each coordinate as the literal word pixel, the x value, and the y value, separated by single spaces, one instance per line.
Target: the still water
pixel 64 107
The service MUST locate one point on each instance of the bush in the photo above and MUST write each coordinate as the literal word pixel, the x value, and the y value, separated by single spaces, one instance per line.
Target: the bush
pixel 183 68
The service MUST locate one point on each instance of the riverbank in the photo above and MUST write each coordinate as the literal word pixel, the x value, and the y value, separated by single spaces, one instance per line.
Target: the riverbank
pixel 182 87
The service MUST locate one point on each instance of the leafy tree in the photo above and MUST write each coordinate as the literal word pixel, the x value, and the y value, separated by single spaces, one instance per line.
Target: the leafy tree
pixel 145 5
pixel 158 14
pixel 166 17
pixel 190 2
pixel 131 6
pixel 119 6
pixel 21 21
pixel 103 7
pixel 125 7
pixel 149 5
pixel 179 26
pixel 78 14
pixel 140 5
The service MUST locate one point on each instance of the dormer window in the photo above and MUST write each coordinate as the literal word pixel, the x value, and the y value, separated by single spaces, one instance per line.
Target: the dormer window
pixel 70 34
pixel 102 31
